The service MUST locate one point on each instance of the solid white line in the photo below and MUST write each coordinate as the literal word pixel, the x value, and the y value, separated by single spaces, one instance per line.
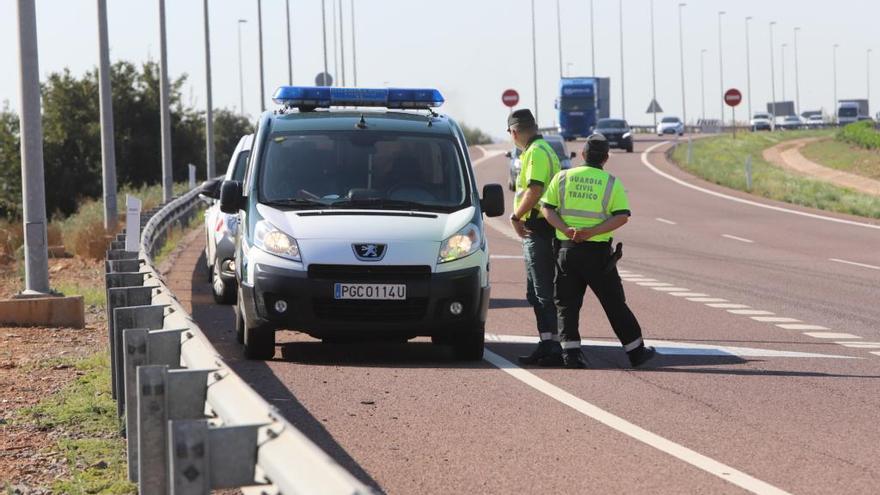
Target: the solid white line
pixel 671 289
pixel 670 222
pixel 748 312
pixel 631 430
pixel 506 257
pixel 855 264
pixel 831 335
pixel 860 345
pixel 735 238
pixel 775 319
pixel 637 279
pixel 706 299
pixel 876 353
pixel 745 201
pixel 629 275
pixel 727 306
pixel 688 294
pixel 801 326
pixel 653 284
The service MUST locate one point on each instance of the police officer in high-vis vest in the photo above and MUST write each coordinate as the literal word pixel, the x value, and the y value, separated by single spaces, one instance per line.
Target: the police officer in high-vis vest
pixel 586 204
pixel 539 164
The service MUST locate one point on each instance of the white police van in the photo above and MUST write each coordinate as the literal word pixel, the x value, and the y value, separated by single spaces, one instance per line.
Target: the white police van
pixel 360 217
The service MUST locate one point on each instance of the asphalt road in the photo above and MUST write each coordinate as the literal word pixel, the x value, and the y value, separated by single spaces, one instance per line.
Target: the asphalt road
pixel 768 325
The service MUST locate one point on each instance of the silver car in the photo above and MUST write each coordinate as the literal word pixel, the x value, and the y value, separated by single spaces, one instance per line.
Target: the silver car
pixel 221 228
pixel 555 141
pixel 670 125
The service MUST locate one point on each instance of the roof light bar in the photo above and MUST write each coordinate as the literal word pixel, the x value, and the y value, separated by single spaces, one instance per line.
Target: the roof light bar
pixel 324 97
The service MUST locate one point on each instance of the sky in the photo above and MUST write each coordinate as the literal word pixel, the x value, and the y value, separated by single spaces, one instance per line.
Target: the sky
pixel 472 50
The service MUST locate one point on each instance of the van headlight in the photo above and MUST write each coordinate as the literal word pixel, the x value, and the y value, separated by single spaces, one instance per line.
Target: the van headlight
pixel 464 243
pixel 270 239
pixel 627 135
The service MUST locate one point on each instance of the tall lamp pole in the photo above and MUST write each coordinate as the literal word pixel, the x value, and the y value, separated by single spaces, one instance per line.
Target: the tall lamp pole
pixel 653 68
pixel 209 110
pixel 240 70
pixel 834 70
pixel 108 148
pixel 721 63
pixel 260 38
pixel 289 45
pixel 559 35
pixel 324 36
pixel 748 68
pixel 797 85
pixel 681 7
pixel 868 73
pixel 534 63
pixel 164 112
pixel 784 46
pixel 772 80
pixel 354 69
pixel 341 44
pixel 622 86
pixel 702 85
pixel 593 38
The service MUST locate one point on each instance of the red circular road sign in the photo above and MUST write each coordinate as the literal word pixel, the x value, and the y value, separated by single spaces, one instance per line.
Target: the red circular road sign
pixel 733 97
pixel 510 97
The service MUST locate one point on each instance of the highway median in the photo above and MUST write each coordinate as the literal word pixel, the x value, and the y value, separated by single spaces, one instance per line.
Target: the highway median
pixel 722 160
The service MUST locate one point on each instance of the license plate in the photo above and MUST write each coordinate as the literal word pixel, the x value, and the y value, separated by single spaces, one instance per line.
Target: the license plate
pixel 382 292
pixel 612 143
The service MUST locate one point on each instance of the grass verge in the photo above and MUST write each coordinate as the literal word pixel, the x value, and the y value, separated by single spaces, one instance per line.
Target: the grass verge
pixel 721 160
pixel 844 156
pixel 92 296
pixel 85 416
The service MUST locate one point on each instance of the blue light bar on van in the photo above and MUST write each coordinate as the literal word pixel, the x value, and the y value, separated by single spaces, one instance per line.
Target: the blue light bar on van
pixel 324 97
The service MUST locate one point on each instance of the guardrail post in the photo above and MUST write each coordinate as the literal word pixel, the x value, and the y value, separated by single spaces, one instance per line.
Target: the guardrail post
pixel 120 254
pixel 118 245
pixel 149 317
pixel 116 299
pixel 121 266
pixel 164 395
pixel 144 347
pixel 204 457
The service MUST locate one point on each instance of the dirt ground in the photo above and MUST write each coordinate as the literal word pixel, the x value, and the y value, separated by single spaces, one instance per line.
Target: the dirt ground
pixel 34 364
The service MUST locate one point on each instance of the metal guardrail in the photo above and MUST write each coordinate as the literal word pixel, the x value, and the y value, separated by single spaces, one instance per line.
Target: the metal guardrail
pixel 190 422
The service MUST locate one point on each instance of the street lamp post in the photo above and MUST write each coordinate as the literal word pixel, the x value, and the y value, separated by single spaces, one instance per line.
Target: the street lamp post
pixel 834 71
pixel 592 39
pixel 289 46
pixel 748 68
pixel 209 103
pixel 341 44
pixel 324 36
pixel 240 70
pixel 559 35
pixel 164 112
pixel 108 148
pixel 772 80
pixel 681 6
pixel 568 68
pixel 354 70
pixel 653 68
pixel 335 41
pixel 797 85
pixel 702 85
pixel 622 86
pixel 33 189
pixel 534 63
pixel 784 46
pixel 260 39
pixel 868 74
pixel 721 63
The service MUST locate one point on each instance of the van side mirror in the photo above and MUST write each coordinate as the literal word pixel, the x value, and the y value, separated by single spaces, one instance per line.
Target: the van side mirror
pixel 211 188
pixel 508 154
pixel 231 199
pixel 573 155
pixel 492 203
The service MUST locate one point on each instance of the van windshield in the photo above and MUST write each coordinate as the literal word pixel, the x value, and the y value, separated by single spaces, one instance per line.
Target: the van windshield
pixel 848 112
pixel 363 169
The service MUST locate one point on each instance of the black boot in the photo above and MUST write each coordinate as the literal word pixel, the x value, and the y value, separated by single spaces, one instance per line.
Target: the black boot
pixel 640 355
pixel 545 349
pixel 574 359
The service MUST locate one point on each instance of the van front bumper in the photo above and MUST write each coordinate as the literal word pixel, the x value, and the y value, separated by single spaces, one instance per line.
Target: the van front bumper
pixel 312 308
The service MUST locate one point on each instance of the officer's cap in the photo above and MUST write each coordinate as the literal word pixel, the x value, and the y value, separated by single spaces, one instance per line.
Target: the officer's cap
pixel 521 118
pixel 596 145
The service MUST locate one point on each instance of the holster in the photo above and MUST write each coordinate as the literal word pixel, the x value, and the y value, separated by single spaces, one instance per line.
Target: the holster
pixel 614 257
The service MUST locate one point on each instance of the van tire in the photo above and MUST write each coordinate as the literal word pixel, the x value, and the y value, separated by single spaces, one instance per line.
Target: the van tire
pixel 468 345
pixel 225 296
pixel 239 325
pixel 259 341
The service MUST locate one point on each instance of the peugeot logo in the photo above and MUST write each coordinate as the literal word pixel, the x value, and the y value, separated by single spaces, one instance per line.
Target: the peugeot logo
pixel 369 252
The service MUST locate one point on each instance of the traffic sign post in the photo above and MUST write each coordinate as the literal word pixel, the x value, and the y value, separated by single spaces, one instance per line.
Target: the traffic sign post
pixel 733 97
pixel 510 98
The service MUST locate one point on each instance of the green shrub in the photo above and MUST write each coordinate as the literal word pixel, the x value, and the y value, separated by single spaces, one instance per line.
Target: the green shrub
pixel 474 135
pixel 862 134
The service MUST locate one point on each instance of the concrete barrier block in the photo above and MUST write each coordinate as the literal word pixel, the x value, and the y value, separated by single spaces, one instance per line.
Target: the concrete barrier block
pixel 67 311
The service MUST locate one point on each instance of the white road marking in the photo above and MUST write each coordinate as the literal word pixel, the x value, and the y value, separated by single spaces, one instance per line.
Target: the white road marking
pixel 663 220
pixel 801 326
pixel 749 312
pixel 876 353
pixel 706 299
pixel 831 335
pixel 735 238
pixel 631 430
pixel 775 319
pixel 727 305
pixel 671 289
pixel 654 284
pixel 860 345
pixel 688 294
pixel 672 348
pixel 742 200
pixel 638 279
pixel 863 265
pixel 505 257
pixel 628 275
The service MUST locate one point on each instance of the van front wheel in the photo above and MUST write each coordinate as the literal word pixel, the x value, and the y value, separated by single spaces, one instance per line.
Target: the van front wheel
pixel 259 341
pixel 468 345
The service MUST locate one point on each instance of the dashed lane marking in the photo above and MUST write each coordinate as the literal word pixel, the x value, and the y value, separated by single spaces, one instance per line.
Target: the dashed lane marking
pixel 831 335
pixel 775 319
pixel 631 430
pixel 668 222
pixel 801 326
pixel 671 289
pixel 637 279
pixel 740 239
pixel 688 294
pixel 505 257
pixel 860 345
pixel 876 353
pixel 750 312
pixel 706 299
pixel 863 265
pixel 653 284
pixel 727 306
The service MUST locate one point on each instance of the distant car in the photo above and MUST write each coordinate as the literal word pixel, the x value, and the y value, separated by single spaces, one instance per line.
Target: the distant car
pixel 670 125
pixel 221 228
pixel 789 122
pixel 617 132
pixel 815 120
pixel 762 122
pixel 847 113
pixel 555 141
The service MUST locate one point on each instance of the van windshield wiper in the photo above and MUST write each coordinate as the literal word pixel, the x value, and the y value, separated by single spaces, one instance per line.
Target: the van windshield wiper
pixel 386 203
pixel 296 202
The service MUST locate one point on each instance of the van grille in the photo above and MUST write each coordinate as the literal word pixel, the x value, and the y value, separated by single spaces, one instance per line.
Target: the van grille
pixel 370 273
pixel 356 310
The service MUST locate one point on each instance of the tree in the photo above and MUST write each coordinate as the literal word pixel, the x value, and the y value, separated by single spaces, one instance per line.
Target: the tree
pixel 229 127
pixel 10 164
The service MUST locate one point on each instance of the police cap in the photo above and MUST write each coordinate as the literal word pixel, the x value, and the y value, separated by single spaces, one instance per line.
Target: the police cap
pixel 522 118
pixel 596 145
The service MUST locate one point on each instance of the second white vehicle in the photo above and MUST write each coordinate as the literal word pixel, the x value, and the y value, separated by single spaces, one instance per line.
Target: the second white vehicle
pixel 670 125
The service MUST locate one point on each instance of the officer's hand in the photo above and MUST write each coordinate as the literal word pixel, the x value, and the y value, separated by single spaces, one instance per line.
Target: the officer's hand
pixel 521 229
pixel 582 235
pixel 570 232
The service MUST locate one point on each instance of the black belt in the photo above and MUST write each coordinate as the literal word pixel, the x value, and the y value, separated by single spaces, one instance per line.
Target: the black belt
pixel 586 244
